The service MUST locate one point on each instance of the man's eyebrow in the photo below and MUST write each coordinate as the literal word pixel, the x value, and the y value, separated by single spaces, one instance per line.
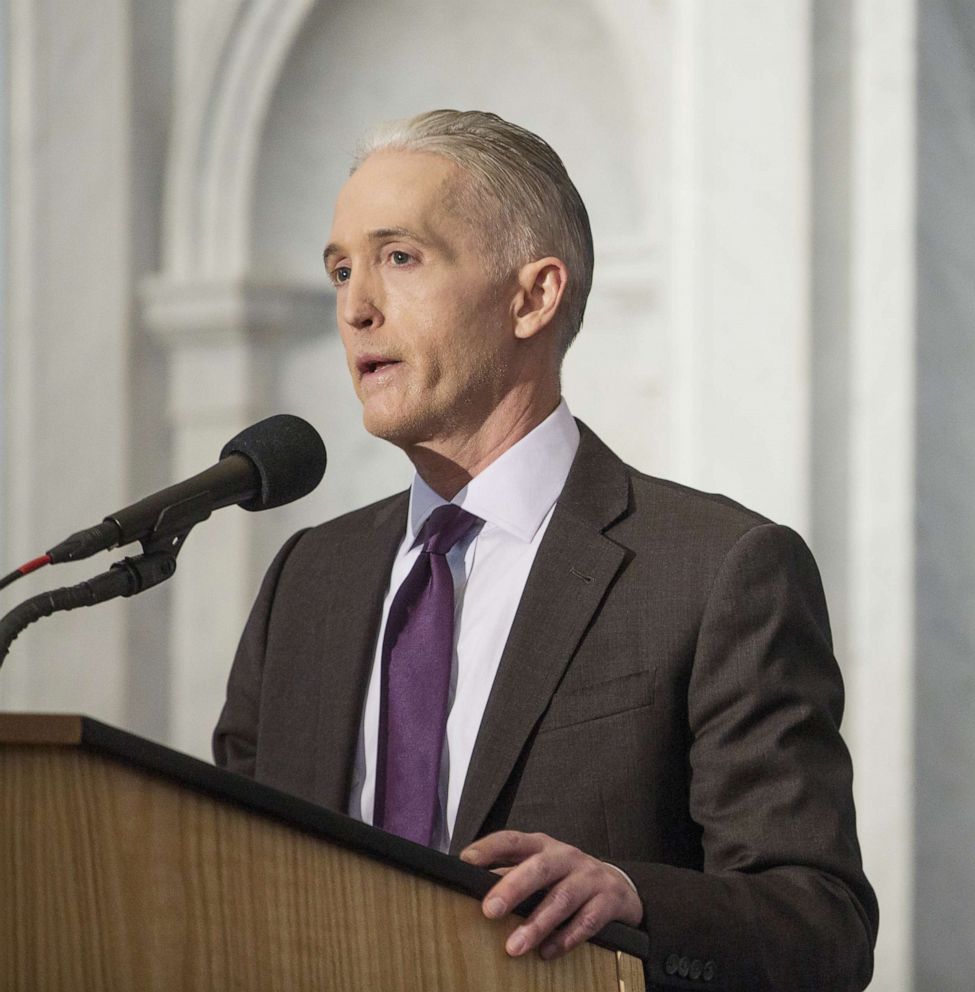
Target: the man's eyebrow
pixel 384 233
pixel 398 232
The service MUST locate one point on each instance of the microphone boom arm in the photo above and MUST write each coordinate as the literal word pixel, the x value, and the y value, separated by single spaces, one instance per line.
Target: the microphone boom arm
pixel 125 578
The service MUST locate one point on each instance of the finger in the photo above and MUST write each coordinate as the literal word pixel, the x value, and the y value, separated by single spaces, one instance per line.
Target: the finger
pixel 591 917
pixel 511 846
pixel 561 903
pixel 538 872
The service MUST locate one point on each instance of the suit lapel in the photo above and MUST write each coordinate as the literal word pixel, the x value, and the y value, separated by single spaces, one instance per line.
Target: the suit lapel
pixel 572 571
pixel 348 643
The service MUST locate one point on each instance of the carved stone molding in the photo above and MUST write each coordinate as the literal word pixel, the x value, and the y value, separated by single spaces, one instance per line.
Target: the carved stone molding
pixel 218 123
pixel 187 313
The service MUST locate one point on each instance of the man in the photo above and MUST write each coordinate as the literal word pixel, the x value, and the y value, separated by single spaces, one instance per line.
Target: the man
pixel 639 710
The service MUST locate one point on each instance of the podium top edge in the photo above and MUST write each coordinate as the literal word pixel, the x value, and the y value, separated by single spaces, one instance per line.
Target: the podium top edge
pixel 41 728
pixel 75 730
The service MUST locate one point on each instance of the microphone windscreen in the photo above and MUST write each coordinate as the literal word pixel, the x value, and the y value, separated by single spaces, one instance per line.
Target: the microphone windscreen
pixel 287 452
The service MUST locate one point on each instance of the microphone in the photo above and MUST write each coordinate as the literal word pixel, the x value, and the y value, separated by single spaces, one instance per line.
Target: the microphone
pixel 272 462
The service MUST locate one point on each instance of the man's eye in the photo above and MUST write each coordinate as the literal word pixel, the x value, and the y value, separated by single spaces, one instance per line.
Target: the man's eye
pixel 341 274
pixel 401 257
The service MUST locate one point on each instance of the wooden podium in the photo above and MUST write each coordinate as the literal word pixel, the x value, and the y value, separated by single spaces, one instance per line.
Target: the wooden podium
pixel 125 865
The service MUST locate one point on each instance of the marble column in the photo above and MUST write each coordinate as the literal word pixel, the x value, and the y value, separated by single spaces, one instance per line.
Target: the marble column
pixel 67 351
pixel 737 278
pixel 880 504
pixel 223 342
pixel 944 908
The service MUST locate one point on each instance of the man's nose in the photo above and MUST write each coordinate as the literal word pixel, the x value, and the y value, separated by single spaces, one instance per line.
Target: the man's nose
pixel 359 305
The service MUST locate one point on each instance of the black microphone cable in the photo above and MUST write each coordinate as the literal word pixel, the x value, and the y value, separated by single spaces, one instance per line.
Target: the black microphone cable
pixel 18 573
pixel 125 578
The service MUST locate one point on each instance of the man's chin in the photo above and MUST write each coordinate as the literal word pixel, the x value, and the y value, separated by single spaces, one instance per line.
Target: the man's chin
pixel 395 427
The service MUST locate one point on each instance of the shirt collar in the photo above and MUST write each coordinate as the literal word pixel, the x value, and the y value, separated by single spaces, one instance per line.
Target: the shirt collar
pixel 517 490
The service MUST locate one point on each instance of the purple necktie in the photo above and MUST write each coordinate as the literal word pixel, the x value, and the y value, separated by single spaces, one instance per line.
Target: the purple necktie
pixel 418 651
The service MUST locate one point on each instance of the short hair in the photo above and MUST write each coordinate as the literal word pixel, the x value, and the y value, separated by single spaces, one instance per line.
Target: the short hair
pixel 520 187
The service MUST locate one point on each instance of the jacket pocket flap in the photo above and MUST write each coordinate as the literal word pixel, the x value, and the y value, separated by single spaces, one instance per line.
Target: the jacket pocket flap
pixel 579 705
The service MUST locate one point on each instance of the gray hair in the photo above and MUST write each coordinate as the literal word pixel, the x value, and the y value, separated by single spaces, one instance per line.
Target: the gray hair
pixel 520 188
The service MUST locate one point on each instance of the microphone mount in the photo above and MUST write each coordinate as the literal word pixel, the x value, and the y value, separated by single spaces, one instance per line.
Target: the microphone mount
pixel 127 577
pixel 169 514
pixel 271 463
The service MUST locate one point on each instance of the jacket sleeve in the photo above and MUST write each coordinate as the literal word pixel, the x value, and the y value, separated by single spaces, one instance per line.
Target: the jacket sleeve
pixel 782 902
pixel 235 736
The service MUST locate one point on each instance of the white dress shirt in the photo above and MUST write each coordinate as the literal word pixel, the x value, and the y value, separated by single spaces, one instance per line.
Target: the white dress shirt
pixel 515 497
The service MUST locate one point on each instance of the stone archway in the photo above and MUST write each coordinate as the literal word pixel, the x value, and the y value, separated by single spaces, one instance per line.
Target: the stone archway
pixel 221 327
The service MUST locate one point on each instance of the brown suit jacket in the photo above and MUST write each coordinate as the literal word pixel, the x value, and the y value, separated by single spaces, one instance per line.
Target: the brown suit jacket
pixel 667 700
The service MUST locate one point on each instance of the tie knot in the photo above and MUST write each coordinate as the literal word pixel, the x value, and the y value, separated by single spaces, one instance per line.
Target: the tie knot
pixel 445 527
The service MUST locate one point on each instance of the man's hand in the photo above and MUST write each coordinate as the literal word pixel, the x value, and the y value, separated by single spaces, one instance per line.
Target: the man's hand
pixel 586 892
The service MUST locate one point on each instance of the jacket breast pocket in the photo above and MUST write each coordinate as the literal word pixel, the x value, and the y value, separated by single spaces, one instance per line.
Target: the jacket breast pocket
pixel 601 699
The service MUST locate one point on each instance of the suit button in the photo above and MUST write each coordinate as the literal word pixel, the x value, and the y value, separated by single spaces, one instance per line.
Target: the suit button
pixel 708 971
pixel 671 965
pixel 696 969
pixel 683 967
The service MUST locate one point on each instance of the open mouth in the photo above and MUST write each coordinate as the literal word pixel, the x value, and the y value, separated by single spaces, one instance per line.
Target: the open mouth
pixel 367 366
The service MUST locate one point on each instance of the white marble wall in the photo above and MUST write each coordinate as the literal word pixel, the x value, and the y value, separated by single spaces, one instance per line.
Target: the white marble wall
pixel 876 436
pixel 736 290
pixel 945 479
pixel 66 332
pixel 765 321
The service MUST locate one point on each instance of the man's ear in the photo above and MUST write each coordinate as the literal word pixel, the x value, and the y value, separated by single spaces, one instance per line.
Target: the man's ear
pixel 541 285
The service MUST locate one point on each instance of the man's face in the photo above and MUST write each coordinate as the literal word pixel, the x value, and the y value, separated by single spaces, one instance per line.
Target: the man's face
pixel 426 324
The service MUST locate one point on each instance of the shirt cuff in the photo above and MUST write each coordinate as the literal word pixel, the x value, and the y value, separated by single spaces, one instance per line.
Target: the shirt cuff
pixel 629 881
